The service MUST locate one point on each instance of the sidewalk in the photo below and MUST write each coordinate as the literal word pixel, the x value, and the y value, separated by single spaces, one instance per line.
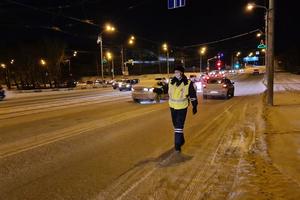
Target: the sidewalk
pixel 283 133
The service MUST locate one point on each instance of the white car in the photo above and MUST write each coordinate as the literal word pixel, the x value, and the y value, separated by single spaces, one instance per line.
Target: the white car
pixel 218 87
pixel 150 91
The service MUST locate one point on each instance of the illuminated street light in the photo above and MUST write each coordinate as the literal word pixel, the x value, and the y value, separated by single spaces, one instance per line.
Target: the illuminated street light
pixel 3 65
pixel 238 54
pixel 75 53
pixel 250 54
pixel 165 48
pixel 43 62
pixel 258 35
pixel 202 52
pixel 250 6
pixel 269 56
pixel 12 61
pixel 109 56
pixel 108 28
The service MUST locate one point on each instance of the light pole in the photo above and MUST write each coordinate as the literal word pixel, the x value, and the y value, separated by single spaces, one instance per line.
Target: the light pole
pixel 110 57
pixel 69 61
pixel 166 49
pixel 131 42
pixel 208 68
pixel 269 26
pixel 44 63
pixel 108 28
pixel 202 52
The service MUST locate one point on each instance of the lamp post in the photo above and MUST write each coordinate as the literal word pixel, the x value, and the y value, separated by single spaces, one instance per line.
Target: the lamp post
pixel 166 49
pixel 208 68
pixel 108 28
pixel 202 52
pixel 110 57
pixel 69 61
pixel 269 26
pixel 131 42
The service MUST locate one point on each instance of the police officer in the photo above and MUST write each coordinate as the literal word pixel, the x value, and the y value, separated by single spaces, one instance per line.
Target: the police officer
pixel 181 93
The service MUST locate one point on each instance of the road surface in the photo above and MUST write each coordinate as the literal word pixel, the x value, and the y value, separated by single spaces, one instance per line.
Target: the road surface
pixel 98 144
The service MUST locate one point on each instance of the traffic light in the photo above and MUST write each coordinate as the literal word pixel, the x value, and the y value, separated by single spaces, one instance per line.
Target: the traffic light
pixel 219 64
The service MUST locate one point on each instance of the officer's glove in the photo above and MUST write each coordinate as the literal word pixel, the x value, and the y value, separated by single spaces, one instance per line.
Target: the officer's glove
pixel 194 110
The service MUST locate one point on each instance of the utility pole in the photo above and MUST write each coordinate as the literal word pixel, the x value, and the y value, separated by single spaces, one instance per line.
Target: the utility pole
pixel 270 53
pixel 122 60
pixel 101 54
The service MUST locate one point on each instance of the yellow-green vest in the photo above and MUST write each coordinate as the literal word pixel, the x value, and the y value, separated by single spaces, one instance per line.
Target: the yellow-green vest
pixel 178 95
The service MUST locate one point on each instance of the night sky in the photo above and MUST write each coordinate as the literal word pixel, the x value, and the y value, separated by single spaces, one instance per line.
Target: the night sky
pixel 150 20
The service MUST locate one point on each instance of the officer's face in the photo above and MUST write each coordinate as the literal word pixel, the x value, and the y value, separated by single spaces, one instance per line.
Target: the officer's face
pixel 177 74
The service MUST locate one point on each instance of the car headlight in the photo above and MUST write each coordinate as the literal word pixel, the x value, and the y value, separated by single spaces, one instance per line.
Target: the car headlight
pixel 127 85
pixel 132 89
pixel 145 90
pixel 151 89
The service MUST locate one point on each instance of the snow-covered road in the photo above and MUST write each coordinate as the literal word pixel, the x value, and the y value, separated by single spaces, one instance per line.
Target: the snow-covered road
pixel 98 144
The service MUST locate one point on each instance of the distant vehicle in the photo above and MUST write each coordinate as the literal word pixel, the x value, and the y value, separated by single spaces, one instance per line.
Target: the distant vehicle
pixel 218 87
pixel 127 84
pixel 2 93
pixel 197 81
pixel 255 72
pixel 115 83
pixel 151 91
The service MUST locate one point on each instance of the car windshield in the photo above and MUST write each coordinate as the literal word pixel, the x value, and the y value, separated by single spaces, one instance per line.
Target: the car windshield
pixel 215 81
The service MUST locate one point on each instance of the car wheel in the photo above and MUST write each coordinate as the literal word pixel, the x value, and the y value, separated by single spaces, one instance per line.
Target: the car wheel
pixel 136 100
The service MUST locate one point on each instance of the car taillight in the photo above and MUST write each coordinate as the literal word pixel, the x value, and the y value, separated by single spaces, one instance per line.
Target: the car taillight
pixel 224 86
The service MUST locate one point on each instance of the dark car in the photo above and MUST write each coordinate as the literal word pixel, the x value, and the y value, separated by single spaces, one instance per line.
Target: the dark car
pixel 2 93
pixel 126 85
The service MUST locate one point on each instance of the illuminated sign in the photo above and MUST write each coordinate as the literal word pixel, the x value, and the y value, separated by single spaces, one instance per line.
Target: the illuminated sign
pixel 175 4
pixel 250 59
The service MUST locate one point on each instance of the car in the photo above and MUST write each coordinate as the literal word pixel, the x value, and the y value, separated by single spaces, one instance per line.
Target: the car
pixel 127 84
pixel 255 72
pixel 150 91
pixel 218 87
pixel 115 83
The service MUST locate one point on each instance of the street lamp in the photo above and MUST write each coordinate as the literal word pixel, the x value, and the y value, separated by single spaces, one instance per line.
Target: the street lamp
pixel 202 52
pixel 43 62
pixel 108 28
pixel 131 42
pixel 269 30
pixel 166 49
pixel 110 57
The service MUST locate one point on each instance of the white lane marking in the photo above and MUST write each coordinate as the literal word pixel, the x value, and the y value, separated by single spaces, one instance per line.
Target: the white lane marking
pixel 32 143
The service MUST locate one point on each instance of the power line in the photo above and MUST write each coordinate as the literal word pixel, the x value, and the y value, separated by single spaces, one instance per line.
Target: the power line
pixel 221 40
pixel 88 22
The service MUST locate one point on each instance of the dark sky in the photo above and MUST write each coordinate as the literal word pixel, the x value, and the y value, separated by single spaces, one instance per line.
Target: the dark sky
pixel 199 22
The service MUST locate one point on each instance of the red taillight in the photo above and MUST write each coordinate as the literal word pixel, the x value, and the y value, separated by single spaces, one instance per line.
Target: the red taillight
pixel 224 86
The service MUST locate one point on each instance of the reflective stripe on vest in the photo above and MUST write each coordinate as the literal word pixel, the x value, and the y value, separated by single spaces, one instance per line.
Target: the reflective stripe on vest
pixel 178 96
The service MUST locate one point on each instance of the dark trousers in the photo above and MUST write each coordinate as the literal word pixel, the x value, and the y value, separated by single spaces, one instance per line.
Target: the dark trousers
pixel 178 119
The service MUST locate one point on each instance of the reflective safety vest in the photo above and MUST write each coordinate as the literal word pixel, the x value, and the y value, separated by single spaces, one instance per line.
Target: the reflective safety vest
pixel 178 95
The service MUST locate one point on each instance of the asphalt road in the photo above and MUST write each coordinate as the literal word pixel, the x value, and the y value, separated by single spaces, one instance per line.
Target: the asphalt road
pixel 99 144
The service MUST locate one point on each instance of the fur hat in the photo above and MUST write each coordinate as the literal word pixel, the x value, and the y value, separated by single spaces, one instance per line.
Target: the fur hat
pixel 179 68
